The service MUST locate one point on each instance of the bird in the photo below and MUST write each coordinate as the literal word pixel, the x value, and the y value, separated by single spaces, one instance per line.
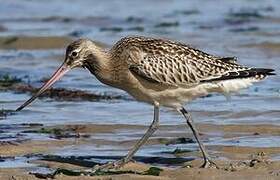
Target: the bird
pixel 159 72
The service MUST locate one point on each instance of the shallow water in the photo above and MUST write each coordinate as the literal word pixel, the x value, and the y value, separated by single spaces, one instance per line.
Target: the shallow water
pixel 227 28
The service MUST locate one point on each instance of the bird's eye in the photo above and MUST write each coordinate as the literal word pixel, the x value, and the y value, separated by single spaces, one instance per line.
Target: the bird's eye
pixel 74 54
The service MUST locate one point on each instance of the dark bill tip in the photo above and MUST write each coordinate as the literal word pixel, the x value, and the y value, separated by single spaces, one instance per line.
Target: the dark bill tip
pixel 63 69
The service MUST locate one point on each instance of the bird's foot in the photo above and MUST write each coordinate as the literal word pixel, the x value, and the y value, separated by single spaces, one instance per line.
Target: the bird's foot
pixel 208 163
pixel 111 165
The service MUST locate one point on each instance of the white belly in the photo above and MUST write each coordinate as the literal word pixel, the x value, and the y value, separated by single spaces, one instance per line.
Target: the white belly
pixel 176 97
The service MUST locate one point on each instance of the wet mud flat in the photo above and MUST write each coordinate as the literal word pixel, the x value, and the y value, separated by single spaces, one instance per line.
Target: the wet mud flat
pixel 180 161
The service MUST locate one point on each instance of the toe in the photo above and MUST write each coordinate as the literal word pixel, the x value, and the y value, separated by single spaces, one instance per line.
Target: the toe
pixel 209 164
pixel 110 165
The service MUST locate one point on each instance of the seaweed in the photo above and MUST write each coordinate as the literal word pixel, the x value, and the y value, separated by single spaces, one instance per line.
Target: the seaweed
pixel 10 40
pixel 58 133
pixel 5 112
pixel 167 24
pixel 120 29
pixel 136 28
pixel 248 29
pixel 58 19
pixel 65 94
pixel 180 140
pixel 86 161
pixel 13 83
pixel 153 171
pixel 187 12
pixel 112 29
pixel 56 172
pixel 178 151
pixel 8 80
pixel 132 19
pixel 243 16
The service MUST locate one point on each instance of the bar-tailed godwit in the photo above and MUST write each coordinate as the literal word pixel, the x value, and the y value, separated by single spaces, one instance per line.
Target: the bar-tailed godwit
pixel 159 72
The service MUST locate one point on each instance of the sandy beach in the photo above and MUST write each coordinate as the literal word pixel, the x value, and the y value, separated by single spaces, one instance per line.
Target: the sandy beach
pixel 234 162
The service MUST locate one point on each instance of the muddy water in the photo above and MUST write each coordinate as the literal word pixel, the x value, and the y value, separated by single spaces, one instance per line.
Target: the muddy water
pixel 247 29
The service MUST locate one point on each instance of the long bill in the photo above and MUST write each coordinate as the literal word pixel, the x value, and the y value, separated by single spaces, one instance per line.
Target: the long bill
pixel 63 69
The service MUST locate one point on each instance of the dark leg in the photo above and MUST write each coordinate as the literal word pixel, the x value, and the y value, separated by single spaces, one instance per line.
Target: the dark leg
pixel 153 127
pixel 207 160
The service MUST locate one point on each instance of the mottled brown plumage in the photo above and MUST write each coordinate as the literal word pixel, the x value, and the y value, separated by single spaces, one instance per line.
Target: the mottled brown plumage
pixel 177 64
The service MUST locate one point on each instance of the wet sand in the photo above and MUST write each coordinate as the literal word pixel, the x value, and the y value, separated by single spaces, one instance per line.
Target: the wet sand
pixel 260 171
pixel 234 162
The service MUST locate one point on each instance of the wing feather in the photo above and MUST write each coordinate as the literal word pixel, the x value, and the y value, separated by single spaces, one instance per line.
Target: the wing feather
pixel 176 64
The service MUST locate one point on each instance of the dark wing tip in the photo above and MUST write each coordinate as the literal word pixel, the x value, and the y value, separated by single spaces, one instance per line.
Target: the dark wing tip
pixel 253 72
pixel 263 71
pixel 228 59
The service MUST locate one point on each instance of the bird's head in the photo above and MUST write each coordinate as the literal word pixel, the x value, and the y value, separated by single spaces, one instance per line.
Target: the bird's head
pixel 78 54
